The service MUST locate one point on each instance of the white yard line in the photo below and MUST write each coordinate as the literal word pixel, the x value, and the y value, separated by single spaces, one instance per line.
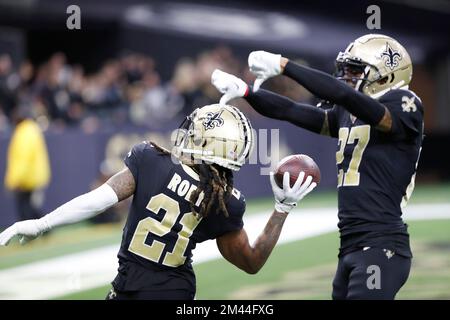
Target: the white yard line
pixel 97 267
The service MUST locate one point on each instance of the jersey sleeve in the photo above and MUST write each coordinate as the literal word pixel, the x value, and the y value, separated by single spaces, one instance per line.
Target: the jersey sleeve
pixel 134 158
pixel 236 208
pixel 406 111
pixel 332 118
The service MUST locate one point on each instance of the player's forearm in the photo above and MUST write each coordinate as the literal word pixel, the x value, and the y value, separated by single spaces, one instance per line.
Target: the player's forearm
pixel 81 208
pixel 329 88
pixel 275 106
pixel 266 241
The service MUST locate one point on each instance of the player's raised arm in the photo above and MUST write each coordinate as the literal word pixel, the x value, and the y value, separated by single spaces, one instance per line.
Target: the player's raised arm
pixel 235 247
pixel 117 188
pixel 266 65
pixel 272 105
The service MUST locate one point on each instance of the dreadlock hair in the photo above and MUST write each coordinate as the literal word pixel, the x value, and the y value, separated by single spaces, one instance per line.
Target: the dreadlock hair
pixel 216 183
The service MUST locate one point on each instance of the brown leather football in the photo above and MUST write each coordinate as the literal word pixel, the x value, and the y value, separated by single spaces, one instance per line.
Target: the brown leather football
pixel 294 164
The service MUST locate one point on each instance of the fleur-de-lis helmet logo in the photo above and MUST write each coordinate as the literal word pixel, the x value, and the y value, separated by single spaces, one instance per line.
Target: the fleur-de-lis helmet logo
pixel 391 57
pixel 212 120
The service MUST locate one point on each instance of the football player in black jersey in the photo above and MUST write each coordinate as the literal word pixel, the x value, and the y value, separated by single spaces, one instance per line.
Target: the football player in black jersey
pixel 179 199
pixel 378 122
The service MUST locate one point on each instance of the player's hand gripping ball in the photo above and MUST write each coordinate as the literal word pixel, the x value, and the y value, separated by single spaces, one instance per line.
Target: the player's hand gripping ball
pixel 294 164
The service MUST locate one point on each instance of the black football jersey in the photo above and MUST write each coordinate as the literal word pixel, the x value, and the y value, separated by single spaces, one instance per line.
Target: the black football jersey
pixel 161 231
pixel 376 172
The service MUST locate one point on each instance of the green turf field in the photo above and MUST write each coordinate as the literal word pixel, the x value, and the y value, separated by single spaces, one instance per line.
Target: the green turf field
pixel 297 270
pixel 304 270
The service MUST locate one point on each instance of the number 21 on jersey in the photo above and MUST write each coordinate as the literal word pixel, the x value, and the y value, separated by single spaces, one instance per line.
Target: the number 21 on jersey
pixel 154 251
pixel 361 136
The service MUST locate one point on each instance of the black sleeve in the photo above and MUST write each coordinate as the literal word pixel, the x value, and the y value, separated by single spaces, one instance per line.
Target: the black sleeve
pixel 329 88
pixel 333 125
pixel 133 159
pixel 406 111
pixel 236 208
pixel 274 106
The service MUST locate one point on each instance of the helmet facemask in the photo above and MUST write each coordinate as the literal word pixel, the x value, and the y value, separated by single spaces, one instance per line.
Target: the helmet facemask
pixel 354 72
pixel 186 133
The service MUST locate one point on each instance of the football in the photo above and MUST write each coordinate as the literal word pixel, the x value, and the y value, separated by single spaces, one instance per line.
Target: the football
pixel 294 164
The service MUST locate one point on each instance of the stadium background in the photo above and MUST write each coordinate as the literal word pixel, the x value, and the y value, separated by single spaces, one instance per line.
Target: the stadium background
pixel 135 70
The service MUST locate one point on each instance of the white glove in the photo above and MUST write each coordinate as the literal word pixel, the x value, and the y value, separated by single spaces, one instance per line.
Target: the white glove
pixel 263 65
pixel 228 84
pixel 287 198
pixel 26 230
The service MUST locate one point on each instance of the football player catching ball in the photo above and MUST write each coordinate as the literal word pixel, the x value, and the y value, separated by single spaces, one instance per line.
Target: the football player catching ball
pixel 180 198
pixel 378 122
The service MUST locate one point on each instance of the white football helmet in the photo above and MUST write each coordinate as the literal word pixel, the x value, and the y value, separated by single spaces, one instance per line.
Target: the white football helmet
pixel 379 63
pixel 216 134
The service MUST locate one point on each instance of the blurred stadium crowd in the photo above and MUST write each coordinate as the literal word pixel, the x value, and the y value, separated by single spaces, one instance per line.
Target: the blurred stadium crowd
pixel 126 90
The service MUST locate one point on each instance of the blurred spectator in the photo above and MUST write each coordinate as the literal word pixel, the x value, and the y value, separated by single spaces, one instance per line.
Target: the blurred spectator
pixel 155 103
pixel 7 97
pixel 28 169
